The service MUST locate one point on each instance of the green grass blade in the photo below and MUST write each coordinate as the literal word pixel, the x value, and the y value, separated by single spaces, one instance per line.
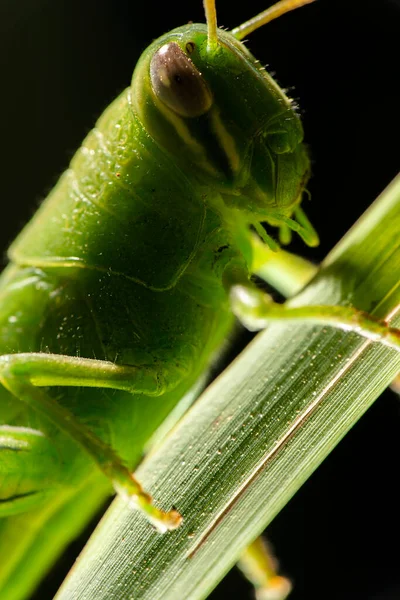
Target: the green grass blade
pixel 256 434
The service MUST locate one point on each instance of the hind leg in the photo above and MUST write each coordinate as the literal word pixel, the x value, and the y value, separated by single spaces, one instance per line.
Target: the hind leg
pixel 24 375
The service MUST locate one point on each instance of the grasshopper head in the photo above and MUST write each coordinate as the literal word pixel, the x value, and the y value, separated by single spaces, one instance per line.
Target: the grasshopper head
pixel 227 122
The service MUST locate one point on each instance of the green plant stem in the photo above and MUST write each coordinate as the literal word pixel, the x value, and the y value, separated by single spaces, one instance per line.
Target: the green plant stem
pixel 286 272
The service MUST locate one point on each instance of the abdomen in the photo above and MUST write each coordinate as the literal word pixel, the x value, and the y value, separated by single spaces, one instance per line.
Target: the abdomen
pixel 102 271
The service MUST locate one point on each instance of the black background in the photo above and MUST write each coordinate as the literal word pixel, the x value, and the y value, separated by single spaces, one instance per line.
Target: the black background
pixel 61 63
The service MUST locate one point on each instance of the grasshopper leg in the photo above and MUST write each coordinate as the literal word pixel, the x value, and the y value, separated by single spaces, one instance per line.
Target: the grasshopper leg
pixel 24 375
pixel 259 566
pixel 255 309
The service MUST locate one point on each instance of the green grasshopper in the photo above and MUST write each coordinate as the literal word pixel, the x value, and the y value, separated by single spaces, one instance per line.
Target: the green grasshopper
pixel 127 280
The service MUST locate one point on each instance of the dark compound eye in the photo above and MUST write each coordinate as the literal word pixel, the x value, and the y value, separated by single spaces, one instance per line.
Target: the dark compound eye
pixel 177 82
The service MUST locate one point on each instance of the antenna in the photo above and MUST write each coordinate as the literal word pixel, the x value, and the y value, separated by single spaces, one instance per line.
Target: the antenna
pixel 211 18
pixel 270 14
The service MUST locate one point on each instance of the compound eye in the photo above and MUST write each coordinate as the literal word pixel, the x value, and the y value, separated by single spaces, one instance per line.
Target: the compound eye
pixel 177 82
